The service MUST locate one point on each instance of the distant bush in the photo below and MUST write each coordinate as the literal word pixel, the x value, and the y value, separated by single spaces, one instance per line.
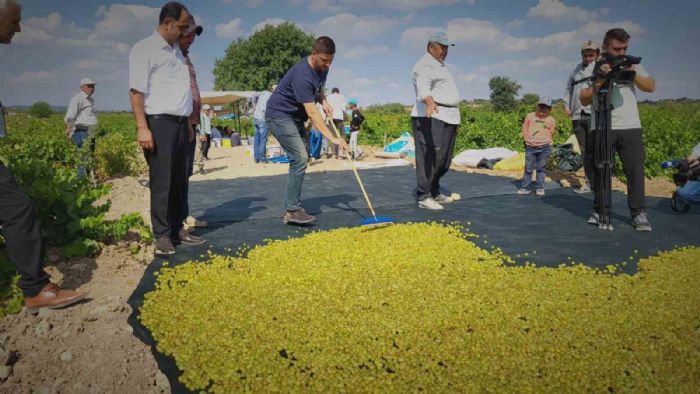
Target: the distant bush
pixel 41 109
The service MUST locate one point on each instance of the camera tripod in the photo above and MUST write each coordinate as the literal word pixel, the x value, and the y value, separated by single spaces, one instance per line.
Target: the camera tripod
pixel 603 156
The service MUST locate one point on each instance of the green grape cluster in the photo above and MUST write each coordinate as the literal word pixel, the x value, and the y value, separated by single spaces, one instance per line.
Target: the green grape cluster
pixel 420 307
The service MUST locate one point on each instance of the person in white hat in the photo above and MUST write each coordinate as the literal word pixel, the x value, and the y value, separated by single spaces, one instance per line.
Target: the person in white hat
pixel 81 116
pixel 435 118
pixel 195 120
pixel 581 114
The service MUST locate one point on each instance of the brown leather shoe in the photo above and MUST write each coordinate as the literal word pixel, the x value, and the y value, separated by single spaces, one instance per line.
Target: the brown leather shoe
pixel 298 217
pixel 52 297
pixel 185 238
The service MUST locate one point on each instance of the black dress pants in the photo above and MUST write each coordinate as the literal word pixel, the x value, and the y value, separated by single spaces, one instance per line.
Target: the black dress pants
pixel 435 142
pixel 582 129
pixel 22 235
pixel 629 145
pixel 167 173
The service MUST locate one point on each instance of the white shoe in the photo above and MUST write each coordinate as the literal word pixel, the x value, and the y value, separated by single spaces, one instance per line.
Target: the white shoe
pixel 430 203
pixel 192 222
pixel 443 199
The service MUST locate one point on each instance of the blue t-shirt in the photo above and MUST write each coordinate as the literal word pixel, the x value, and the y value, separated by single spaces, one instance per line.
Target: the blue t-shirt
pixel 301 84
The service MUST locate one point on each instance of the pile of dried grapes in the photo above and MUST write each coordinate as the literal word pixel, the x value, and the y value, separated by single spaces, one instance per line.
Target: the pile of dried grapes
pixel 414 307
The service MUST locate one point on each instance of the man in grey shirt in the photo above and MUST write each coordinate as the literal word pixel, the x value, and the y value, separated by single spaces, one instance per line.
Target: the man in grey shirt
pixel 581 114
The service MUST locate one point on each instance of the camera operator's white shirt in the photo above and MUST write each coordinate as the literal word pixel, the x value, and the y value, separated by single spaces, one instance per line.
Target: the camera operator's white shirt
pixel 625 113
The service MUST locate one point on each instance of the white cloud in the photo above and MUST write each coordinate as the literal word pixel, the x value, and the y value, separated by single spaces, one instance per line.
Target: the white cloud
pixel 85 64
pixel 556 10
pixel 333 6
pixel 231 30
pixel 417 36
pixel 361 51
pixel 34 76
pixel 350 27
pixel 488 35
pixel 515 24
pixel 268 21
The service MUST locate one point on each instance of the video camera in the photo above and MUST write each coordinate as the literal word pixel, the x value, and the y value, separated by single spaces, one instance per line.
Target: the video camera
pixel 618 67
pixel 684 172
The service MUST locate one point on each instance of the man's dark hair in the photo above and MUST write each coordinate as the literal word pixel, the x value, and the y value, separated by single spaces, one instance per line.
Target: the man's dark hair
pixel 325 45
pixel 616 34
pixel 172 10
pixel 335 90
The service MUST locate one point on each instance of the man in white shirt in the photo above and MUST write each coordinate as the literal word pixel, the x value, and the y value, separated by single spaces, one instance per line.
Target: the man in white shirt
pixel 338 103
pixel 435 118
pixel 161 100
pixel 626 127
pixel 20 228
pixel 261 131
pixel 581 114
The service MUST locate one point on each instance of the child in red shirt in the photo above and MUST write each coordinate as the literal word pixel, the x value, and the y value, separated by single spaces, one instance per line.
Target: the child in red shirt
pixel 538 130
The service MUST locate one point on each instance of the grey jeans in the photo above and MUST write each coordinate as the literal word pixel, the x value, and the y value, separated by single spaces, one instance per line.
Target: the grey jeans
pixel 294 139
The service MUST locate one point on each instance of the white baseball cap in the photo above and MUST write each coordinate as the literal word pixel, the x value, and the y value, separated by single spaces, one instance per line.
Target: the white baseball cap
pixel 87 81
pixel 544 100
pixel 206 106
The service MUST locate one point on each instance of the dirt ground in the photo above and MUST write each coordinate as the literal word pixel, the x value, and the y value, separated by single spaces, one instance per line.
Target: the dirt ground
pixel 90 348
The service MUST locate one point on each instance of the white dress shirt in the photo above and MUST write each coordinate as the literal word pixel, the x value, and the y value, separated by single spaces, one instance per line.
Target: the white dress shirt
pixel 432 78
pixel 572 93
pixel 160 72
pixel 338 103
pixel 261 105
pixel 81 111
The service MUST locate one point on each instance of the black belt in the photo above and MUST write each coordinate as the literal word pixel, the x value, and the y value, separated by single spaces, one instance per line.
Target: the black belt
pixel 585 113
pixel 445 105
pixel 82 128
pixel 171 118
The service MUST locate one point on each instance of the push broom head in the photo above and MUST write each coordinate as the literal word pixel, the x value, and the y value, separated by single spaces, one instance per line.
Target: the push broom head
pixel 376 220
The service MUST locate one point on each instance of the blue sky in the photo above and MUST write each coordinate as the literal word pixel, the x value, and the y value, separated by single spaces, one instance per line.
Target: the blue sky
pixel 534 42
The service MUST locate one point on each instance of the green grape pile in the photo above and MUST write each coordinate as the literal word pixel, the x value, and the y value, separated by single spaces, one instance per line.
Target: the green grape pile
pixel 420 307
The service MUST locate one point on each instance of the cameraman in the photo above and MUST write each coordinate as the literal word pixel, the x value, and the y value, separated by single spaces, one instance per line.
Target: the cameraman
pixel 690 192
pixel 626 127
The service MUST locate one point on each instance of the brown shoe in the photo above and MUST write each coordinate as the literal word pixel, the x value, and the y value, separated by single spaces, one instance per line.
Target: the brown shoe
pixel 188 239
pixel 52 297
pixel 298 217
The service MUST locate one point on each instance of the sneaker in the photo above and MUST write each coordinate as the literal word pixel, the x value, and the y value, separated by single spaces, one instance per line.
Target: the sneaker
pixel 583 189
pixel 298 216
pixel 524 191
pixel 192 222
pixel 594 219
pixel 540 192
pixel 185 238
pixel 443 199
pixel 430 203
pixel 640 221
pixel 164 246
pixel 52 297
